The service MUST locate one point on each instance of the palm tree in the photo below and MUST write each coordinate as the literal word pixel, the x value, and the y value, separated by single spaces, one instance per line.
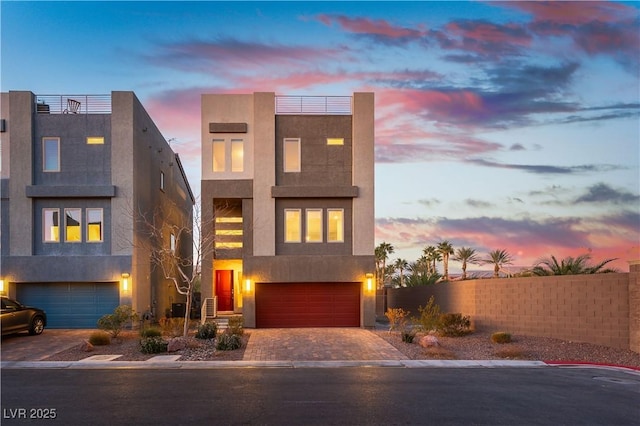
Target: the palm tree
pixel 400 265
pixel 432 255
pixel 498 258
pixel 445 249
pixel 570 266
pixel 466 255
pixel 382 253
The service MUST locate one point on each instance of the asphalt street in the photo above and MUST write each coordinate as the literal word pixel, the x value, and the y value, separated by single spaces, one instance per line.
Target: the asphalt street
pixel 321 396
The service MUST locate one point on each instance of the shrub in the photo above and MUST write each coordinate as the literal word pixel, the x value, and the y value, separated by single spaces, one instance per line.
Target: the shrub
pixel 511 352
pixel 115 322
pixel 152 345
pixel 100 338
pixel 208 330
pixel 173 327
pixel 397 319
pixel 236 326
pixel 228 342
pixel 501 337
pixel 151 332
pixel 429 316
pixel 408 335
pixel 453 325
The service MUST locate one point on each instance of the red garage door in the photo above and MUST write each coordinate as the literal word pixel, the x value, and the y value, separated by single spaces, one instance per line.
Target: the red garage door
pixel 307 305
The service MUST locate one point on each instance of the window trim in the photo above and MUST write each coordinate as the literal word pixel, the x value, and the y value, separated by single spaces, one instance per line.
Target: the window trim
pixel 45 139
pixel 299 212
pixel 97 209
pixel 66 237
pixel 284 155
pixel 329 211
pixel 307 227
pixel 44 225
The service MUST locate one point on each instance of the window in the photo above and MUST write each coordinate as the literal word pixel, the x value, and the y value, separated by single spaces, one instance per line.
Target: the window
pixel 335 225
pixel 218 155
pixel 95 140
pixel 51 224
pixel 237 155
pixel 335 141
pixel 291 155
pixel 51 154
pixel 94 225
pixel 162 181
pixel 72 229
pixel 314 226
pixel 172 243
pixel 292 225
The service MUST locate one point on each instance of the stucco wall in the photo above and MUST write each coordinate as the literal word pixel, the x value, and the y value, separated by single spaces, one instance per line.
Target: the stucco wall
pixel 585 308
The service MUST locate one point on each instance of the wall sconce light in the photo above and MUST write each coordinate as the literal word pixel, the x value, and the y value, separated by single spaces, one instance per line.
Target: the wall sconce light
pixel 125 281
pixel 369 281
pixel 1 286
pixel 247 285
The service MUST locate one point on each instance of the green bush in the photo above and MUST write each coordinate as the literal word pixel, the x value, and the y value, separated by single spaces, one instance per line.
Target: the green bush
pixel 100 338
pixel 115 322
pixel 228 342
pixel 151 332
pixel 236 326
pixel 429 316
pixel 208 330
pixel 453 325
pixel 152 345
pixel 501 337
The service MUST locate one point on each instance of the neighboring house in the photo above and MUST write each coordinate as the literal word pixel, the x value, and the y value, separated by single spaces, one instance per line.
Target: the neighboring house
pixel 288 193
pixel 76 173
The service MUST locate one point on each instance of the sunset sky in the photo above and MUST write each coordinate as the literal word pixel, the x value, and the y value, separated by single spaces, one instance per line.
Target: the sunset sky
pixel 499 125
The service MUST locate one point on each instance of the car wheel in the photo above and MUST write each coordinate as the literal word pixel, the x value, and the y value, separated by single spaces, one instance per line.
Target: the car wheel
pixel 37 326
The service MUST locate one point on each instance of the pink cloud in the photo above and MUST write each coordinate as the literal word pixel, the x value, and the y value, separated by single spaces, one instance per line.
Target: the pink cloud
pixel 574 12
pixel 377 27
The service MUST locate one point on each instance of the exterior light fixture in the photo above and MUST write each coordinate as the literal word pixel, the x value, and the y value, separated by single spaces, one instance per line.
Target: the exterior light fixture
pixel 1 286
pixel 247 285
pixel 369 281
pixel 125 281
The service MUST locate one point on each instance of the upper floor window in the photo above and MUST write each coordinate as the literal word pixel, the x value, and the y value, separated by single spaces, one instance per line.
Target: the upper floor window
pixel 335 141
pixel 291 150
pixel 72 227
pixel 162 181
pixel 51 225
pixel 335 225
pixel 313 225
pixel 219 158
pixel 292 226
pixel 237 155
pixel 172 243
pixel 95 140
pixel 228 155
pixel 94 225
pixel 51 154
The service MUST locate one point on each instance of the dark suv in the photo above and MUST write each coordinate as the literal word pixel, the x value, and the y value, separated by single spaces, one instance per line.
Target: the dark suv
pixel 15 317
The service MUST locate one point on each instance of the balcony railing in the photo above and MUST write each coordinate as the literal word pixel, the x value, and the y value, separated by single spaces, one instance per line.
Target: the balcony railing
pixel 73 104
pixel 319 105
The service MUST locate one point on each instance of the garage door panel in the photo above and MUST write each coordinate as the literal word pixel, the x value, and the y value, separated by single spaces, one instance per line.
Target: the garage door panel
pixel 75 305
pixel 307 305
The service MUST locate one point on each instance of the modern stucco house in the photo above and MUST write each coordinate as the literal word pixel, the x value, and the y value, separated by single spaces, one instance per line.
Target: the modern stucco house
pixel 76 173
pixel 288 196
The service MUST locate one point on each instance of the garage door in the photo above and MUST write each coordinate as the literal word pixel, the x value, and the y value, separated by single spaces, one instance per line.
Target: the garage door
pixel 307 305
pixel 75 305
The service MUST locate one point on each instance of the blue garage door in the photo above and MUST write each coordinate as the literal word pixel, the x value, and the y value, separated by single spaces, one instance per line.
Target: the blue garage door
pixel 72 305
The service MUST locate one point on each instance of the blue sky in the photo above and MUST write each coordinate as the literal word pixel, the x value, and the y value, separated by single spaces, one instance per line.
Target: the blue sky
pixel 499 125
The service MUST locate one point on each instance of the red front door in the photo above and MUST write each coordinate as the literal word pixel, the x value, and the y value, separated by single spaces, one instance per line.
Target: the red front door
pixel 224 290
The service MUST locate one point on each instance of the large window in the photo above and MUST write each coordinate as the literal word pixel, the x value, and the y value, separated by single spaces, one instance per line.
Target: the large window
pixel 219 158
pixel 94 225
pixel 237 155
pixel 291 149
pixel 335 225
pixel 51 225
pixel 313 225
pixel 51 154
pixel 292 226
pixel 72 225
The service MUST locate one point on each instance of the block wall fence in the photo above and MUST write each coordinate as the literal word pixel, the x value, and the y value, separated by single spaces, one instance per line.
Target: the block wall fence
pixel 603 309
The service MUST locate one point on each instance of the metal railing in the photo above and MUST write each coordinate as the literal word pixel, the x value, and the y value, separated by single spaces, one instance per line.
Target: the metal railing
pixel 73 104
pixel 320 105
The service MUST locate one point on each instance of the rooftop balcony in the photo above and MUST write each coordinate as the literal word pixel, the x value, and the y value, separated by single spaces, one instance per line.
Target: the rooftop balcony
pixel 318 105
pixel 73 104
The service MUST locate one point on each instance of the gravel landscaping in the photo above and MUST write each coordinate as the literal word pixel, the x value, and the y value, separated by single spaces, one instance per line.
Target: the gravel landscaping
pixel 475 346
